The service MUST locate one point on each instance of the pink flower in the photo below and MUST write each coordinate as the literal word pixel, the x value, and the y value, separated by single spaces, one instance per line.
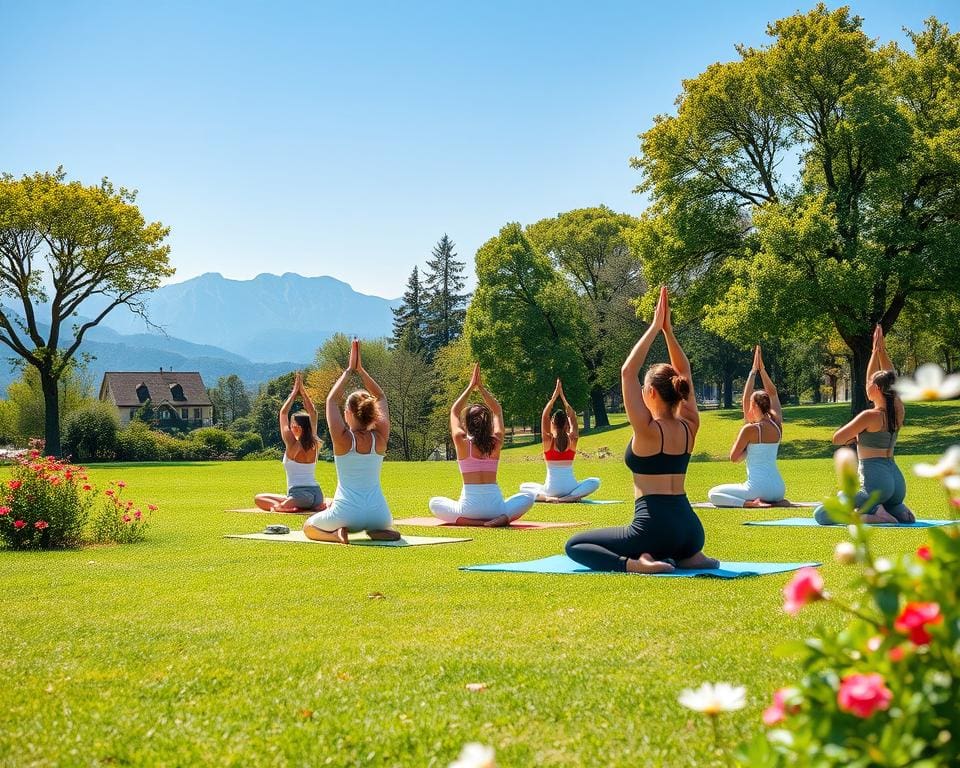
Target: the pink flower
pixel 121 484
pixel 18 524
pixel 862 695
pixel 152 507
pixel 138 514
pixel 805 587
pixel 34 454
pixel 4 511
pixel 778 711
pixel 913 619
pixel 41 525
pixel 126 518
pixel 14 484
pixel 924 552
pixel 896 653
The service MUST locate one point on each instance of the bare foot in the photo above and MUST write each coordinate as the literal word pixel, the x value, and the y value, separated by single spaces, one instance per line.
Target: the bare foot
pixel 880 515
pixel 320 507
pixel 384 535
pixel 783 503
pixel 757 504
pixel 497 522
pixel 342 536
pixel 699 562
pixel 316 534
pixel 646 564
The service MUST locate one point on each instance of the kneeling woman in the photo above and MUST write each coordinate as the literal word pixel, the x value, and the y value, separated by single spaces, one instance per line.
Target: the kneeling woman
pixel 875 431
pixel 665 533
pixel 359 435
pixel 478 437
pixel 560 434
pixel 759 440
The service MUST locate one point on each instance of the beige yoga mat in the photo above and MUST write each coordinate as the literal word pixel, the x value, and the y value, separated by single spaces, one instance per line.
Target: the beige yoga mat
pixel 791 505
pixel 361 539
pixel 258 511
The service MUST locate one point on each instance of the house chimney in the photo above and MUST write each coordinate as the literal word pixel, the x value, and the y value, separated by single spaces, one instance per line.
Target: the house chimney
pixel 161 369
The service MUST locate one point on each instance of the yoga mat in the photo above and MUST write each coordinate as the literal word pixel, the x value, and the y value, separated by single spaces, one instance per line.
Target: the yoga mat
pixel 809 522
pixel 360 539
pixel 791 505
pixel 563 564
pixel 525 525
pixel 258 511
pixel 599 501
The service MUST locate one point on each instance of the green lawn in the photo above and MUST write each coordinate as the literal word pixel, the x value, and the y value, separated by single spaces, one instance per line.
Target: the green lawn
pixel 192 649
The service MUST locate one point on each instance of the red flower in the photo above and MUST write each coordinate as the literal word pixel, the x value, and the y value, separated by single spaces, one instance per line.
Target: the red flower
pixel 14 484
pixel 805 587
pixel 924 552
pixel 913 619
pixel 121 484
pixel 109 492
pixel 88 487
pixel 54 480
pixel 126 518
pixel 138 514
pixel 41 525
pixel 862 695
pixel 778 711
pixel 896 653
pixel 4 511
pixel 152 507
pixel 18 524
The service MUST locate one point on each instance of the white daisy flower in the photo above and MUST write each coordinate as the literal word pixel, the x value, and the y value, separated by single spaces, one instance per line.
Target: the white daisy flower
pixel 475 755
pixel 929 382
pixel 713 699
pixel 949 464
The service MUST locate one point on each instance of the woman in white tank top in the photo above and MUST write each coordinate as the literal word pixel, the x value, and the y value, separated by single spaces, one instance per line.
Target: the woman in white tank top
pixel 759 440
pixel 359 435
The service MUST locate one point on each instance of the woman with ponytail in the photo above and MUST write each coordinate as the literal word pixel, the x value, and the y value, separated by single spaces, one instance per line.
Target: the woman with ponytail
pixel 477 432
pixel 560 432
pixel 665 533
pixel 758 441
pixel 300 448
pixel 875 432
pixel 359 435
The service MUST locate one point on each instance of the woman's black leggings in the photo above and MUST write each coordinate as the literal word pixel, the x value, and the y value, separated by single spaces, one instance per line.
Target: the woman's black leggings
pixel 663 526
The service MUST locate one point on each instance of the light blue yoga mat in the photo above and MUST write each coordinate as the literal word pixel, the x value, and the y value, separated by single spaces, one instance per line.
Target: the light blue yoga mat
pixel 563 564
pixel 809 522
pixel 600 501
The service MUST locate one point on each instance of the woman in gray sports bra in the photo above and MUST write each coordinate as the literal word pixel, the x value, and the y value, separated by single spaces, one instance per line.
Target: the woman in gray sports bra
pixel 876 431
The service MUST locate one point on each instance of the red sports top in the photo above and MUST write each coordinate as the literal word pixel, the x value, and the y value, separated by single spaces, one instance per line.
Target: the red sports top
pixel 555 455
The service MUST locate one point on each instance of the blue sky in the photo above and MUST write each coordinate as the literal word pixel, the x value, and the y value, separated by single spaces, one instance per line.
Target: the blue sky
pixel 346 138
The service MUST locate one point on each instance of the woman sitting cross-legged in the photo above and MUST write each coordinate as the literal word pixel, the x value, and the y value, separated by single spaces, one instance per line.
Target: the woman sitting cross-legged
pixel 560 434
pixel 477 434
pixel 758 441
pixel 875 431
pixel 665 533
pixel 300 447
pixel 359 435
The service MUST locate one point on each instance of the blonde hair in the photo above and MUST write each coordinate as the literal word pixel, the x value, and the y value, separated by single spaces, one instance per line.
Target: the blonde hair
pixel 363 406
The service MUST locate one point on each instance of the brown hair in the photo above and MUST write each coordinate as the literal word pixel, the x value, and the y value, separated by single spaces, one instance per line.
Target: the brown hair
pixel 670 385
pixel 762 400
pixel 308 440
pixel 479 423
pixel 363 406
pixel 562 440
pixel 884 381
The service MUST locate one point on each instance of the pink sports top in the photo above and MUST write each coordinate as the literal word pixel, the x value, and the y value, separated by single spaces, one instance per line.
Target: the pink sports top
pixel 474 464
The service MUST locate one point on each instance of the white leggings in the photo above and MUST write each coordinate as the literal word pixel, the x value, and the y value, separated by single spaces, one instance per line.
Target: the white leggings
pixel 577 491
pixel 481 501
pixel 735 494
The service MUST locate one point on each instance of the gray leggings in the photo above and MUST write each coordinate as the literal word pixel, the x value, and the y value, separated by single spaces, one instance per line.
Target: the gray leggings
pixel 880 476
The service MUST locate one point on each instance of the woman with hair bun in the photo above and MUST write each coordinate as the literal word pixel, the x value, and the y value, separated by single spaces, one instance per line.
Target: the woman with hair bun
pixel 875 432
pixel 560 432
pixel 758 441
pixel 359 435
pixel 665 533
pixel 477 432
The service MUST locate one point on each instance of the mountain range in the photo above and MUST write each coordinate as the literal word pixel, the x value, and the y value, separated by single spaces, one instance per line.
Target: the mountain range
pixel 255 328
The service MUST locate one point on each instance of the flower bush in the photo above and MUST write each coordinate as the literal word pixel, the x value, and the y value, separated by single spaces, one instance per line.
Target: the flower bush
pixel 51 504
pixel 885 689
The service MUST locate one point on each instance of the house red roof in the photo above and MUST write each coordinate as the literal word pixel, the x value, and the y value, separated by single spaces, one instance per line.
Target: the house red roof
pixel 132 388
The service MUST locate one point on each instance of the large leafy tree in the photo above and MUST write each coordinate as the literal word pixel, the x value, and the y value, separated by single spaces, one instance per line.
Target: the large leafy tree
pixel 520 328
pixel 446 304
pixel 594 250
pixel 230 399
pixel 68 250
pixel 817 177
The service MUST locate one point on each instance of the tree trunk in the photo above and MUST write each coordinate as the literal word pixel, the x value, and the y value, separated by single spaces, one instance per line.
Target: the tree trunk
pixel 599 406
pixel 861 347
pixel 728 389
pixel 51 414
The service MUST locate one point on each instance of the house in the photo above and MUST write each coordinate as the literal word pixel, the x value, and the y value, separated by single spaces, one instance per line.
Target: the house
pixel 179 399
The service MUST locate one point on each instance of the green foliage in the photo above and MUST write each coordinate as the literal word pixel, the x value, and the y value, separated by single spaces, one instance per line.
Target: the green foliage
pixel 230 399
pixel 116 520
pixel 408 318
pixel 445 304
pixel 137 442
pixel 90 434
pixel 214 440
pixel 23 413
pixel 246 443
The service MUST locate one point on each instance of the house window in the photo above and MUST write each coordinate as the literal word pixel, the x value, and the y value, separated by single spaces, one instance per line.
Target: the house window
pixel 198 413
pixel 184 413
pixel 164 414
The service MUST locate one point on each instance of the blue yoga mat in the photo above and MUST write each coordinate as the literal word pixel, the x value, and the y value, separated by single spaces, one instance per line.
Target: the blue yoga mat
pixel 600 501
pixel 563 564
pixel 809 522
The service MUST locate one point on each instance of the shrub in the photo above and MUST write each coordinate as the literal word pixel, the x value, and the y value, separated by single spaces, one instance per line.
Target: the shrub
pixel 136 442
pixel 211 442
pixel 248 442
pixel 267 454
pixel 117 520
pixel 90 433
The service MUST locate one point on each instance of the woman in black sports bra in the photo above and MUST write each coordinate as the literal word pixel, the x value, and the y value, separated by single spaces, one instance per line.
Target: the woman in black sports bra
pixel 665 533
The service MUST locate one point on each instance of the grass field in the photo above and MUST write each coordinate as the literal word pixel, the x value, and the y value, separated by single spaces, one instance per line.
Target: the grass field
pixel 192 649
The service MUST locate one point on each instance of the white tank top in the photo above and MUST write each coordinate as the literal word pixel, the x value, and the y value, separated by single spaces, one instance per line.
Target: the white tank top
pixel 359 471
pixel 762 458
pixel 299 473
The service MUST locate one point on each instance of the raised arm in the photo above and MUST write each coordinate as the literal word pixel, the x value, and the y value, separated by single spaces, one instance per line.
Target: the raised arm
pixel 547 411
pixel 751 379
pixel 574 430
pixel 495 409
pixel 770 388
pixel 678 359
pixel 382 425
pixel 338 427
pixel 307 401
pixel 284 417
pixel 885 363
pixel 457 430
pixel 637 411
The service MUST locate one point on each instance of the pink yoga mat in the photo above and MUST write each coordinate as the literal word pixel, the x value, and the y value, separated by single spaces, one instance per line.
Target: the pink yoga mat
pixel 526 525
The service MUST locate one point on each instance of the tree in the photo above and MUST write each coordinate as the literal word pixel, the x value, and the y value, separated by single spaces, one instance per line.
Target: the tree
pixel 593 248
pixel 86 249
pixel 23 413
pixel 446 306
pixel 408 318
pixel 90 433
pixel 409 385
pixel 230 399
pixel 519 327
pixel 815 178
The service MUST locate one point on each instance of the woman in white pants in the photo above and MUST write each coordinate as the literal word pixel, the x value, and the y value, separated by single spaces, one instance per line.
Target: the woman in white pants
pixel 477 433
pixel 758 441
pixel 560 432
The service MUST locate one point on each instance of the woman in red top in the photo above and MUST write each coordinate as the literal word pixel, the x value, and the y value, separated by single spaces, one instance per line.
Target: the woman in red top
pixel 560 434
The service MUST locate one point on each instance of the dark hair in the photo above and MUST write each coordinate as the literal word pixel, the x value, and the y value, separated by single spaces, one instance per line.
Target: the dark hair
pixel 561 422
pixel 479 423
pixel 363 405
pixel 670 385
pixel 884 381
pixel 308 440
pixel 762 400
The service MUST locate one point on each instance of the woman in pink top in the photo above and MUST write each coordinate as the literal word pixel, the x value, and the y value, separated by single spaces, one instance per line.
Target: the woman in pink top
pixel 477 433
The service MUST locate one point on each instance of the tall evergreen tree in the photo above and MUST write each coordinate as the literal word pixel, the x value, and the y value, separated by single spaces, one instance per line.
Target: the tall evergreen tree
pixel 445 306
pixel 408 318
